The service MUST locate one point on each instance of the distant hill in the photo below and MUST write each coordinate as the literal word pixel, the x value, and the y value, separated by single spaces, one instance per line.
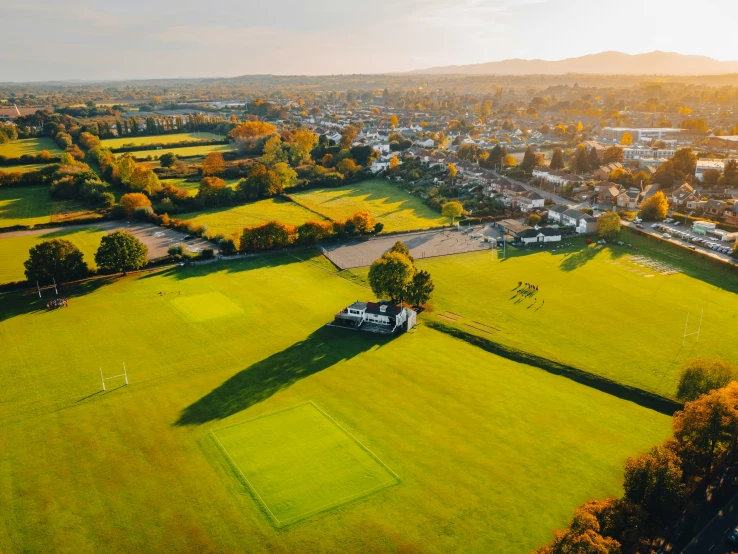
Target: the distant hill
pixel 605 63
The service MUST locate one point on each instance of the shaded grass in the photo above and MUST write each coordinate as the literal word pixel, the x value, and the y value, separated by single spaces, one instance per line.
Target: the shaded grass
pixel 480 442
pixel 395 208
pixel 22 168
pixel 30 146
pixel 34 205
pixel 230 220
pixel 185 151
pixel 159 139
pixel 14 250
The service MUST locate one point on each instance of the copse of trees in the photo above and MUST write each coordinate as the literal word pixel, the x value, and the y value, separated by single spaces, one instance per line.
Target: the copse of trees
pixel 56 259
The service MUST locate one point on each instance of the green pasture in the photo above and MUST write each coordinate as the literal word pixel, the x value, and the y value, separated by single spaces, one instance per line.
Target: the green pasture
pixel 398 210
pixel 21 168
pixel 31 146
pixel 34 205
pixel 14 248
pixel 490 454
pixel 159 139
pixel 233 219
pixel 594 309
pixel 192 186
pixel 185 151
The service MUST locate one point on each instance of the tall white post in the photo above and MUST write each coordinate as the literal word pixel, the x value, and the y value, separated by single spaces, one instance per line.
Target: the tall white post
pixel 39 289
pixel 700 327
pixel 684 338
pixel 56 291
pixel 102 379
pixel 125 373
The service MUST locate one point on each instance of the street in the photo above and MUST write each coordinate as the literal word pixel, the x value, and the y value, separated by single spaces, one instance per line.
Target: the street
pixel 713 537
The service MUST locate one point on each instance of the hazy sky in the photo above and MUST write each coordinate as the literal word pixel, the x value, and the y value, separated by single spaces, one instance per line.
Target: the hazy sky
pixel 105 39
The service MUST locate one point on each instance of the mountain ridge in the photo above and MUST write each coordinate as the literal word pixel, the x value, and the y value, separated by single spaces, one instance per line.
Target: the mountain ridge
pixel 603 63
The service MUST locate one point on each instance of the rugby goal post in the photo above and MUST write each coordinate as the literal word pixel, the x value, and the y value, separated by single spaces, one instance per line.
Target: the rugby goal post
pixel 686 328
pixel 124 374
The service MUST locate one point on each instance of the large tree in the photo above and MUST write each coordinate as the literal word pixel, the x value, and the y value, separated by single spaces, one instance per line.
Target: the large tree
pixel 613 154
pixel 557 159
pixel 390 276
pixel 654 208
pixel 452 209
pixel 530 160
pixel 348 135
pixel 608 225
pixel 654 482
pixel 626 139
pixel 420 289
pixel 703 375
pixel 213 164
pixel 55 259
pixel 121 251
pixel 129 202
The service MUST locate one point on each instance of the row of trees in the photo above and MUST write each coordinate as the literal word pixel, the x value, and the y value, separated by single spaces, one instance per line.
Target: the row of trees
pixel 62 261
pixel 657 483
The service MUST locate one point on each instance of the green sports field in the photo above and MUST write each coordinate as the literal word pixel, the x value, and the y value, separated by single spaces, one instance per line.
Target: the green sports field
pixel 398 210
pixel 186 151
pixel 233 219
pixel 14 249
pixel 34 205
pixel 491 454
pixel 595 308
pixel 159 139
pixel 30 146
pixel 299 462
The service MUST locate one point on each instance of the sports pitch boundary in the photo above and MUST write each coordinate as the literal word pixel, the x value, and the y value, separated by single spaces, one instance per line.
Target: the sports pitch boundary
pixel 396 478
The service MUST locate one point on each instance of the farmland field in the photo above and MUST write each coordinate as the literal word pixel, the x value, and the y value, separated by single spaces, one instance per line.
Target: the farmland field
pixel 479 443
pixel 14 249
pixel 31 146
pixel 233 219
pixel 159 139
pixel 21 168
pixel 186 151
pixel 192 186
pixel 34 205
pixel 594 308
pixel 398 210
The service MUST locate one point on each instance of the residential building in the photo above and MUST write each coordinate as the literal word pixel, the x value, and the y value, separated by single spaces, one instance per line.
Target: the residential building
pixel 376 317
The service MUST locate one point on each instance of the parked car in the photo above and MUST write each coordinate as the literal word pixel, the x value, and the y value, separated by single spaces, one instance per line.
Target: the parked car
pixel 733 537
pixel 666 235
pixel 639 226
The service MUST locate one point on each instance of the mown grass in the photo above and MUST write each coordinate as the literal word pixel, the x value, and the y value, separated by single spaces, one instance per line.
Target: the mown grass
pixel 605 318
pixel 34 205
pixel 398 210
pixel 14 249
pixel 192 186
pixel 491 454
pixel 233 219
pixel 30 146
pixel 159 139
pixel 21 168
pixel 185 151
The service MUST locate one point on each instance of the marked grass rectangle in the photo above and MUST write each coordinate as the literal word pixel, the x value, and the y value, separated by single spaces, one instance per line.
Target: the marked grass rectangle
pixel 203 307
pixel 300 461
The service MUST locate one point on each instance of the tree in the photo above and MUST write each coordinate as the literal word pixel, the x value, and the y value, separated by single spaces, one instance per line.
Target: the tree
pixel 347 166
pixel 273 234
pixel 390 276
pixel 393 121
pixel 452 171
pixel 533 220
pixel 613 154
pixel 55 259
pixel 348 135
pixel 530 160
pixel 579 162
pixel 129 202
pixel 583 536
pixel 214 191
pixel 313 231
pixel 594 158
pixel 362 221
pixel 285 174
pixel 452 209
pixel 400 248
pixel 654 208
pixel 557 159
pixel 420 289
pixel 249 134
pixel 121 251
pixel 273 152
pixel 626 139
pixel 261 183
pixel 608 225
pixel 394 163
pixel 703 375
pixel 213 164
pixel 303 142
pixel 654 482
pixel 168 159
pixel 509 161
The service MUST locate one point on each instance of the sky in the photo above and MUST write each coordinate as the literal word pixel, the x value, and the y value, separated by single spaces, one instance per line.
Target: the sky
pixel 129 39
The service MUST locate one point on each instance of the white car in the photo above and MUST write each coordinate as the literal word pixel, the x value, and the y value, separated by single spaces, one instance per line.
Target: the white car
pixel 666 235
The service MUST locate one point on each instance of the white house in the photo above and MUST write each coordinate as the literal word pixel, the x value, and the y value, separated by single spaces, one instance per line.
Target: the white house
pixel 540 235
pixel 376 317
pixel 556 212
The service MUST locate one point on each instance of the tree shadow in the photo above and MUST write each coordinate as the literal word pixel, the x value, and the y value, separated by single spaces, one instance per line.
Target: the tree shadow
pixel 27 301
pixel 578 259
pixel 322 349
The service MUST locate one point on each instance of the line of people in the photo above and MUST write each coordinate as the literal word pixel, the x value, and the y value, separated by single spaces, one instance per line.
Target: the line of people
pixel 57 303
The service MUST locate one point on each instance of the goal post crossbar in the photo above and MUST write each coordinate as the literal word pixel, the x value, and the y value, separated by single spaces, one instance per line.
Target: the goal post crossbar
pixel 124 374
pixel 697 332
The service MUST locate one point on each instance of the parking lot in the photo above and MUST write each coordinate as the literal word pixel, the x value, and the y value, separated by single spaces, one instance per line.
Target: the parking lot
pixel 677 233
pixel 425 244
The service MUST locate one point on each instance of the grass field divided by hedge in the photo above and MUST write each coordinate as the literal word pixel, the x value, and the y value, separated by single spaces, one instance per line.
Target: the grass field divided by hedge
pixel 594 309
pixel 186 151
pixel 34 205
pixel 31 146
pixel 480 442
pixel 394 207
pixel 159 139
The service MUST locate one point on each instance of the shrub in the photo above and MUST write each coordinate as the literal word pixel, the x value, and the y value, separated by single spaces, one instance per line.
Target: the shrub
pixel 143 213
pixel 207 253
pixel 227 246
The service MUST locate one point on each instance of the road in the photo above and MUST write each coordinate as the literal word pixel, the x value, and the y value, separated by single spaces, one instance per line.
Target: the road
pixel 557 199
pixel 725 258
pixel 713 537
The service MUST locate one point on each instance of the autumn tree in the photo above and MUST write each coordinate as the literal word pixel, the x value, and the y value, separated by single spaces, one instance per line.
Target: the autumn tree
pixel 348 135
pixel 608 225
pixel 452 209
pixel 251 135
pixel 213 164
pixel 390 276
pixel 584 535
pixel 557 159
pixel 393 121
pixel 214 191
pixel 347 166
pixel 129 202
pixel 626 139
pixel 452 171
pixel 313 231
pixel 168 159
pixel 286 176
pixel 362 221
pixel 273 234
pixel 703 375
pixel 533 220
pixel 654 208
pixel 121 251
pixel 261 183
pixel 654 482
pixel 613 154
pixel 394 163
pixel 56 259
pixel 302 144
pixel 273 152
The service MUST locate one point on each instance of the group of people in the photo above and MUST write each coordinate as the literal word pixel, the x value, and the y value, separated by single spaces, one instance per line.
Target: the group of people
pixel 529 286
pixel 57 303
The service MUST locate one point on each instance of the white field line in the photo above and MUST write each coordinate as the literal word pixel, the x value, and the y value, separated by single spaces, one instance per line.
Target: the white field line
pixel 265 415
pixel 246 478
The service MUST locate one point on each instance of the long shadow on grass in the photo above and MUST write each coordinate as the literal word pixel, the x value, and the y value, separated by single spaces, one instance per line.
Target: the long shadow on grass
pixel 321 350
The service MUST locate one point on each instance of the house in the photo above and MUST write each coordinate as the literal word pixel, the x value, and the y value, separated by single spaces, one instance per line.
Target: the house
pixel 539 235
pixel 603 173
pixel 376 317
pixel 682 195
pixel 555 213
pixel 581 222
pixel 607 193
pixel 731 214
pixel 629 199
